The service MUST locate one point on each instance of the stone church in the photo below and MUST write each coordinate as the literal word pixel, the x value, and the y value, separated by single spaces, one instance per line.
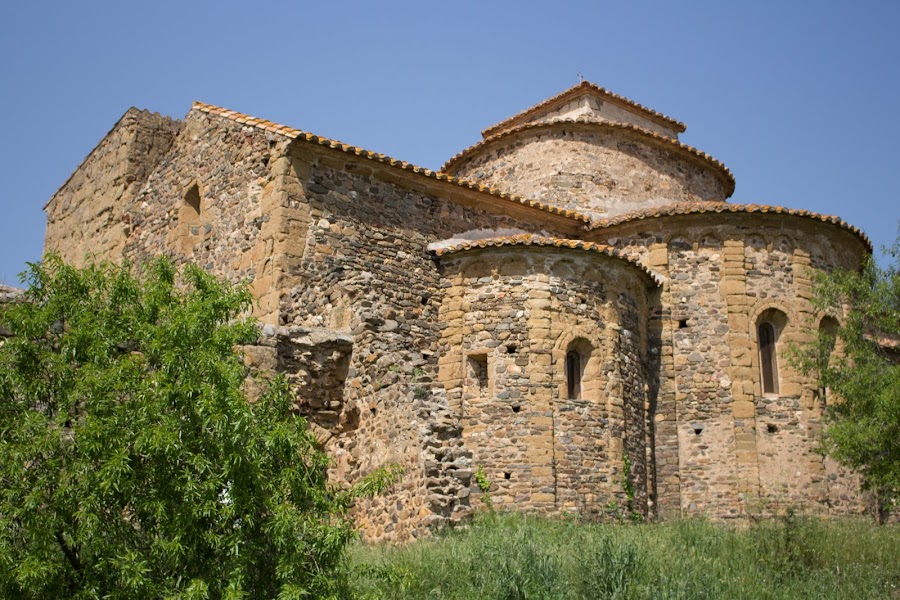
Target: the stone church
pixel 570 307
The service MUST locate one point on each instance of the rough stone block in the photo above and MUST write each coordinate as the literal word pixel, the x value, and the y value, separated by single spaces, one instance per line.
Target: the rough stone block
pixel 742 409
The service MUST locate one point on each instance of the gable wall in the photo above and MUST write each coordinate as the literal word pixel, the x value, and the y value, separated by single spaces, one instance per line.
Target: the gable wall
pixel 88 215
pixel 234 234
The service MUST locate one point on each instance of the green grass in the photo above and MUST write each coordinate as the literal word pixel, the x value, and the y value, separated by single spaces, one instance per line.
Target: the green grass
pixel 525 557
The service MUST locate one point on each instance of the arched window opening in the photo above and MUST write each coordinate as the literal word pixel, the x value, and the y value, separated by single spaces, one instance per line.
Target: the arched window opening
pixel 574 371
pixel 770 325
pixel 768 359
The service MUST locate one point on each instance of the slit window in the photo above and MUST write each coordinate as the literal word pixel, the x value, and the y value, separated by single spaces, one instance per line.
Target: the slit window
pixel 768 360
pixel 828 331
pixel 189 213
pixel 573 375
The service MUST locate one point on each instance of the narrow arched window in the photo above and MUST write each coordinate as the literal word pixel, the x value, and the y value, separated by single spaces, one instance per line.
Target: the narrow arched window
pixel 573 374
pixel 768 359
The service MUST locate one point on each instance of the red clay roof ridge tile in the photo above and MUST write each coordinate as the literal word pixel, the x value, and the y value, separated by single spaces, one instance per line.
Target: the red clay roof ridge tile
pixel 583 88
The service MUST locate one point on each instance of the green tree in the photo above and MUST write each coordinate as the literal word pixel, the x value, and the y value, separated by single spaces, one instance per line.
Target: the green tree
pixel 861 378
pixel 131 464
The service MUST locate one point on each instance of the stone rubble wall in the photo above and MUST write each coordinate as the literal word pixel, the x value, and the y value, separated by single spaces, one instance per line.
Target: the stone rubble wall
pixel 315 363
pixel 517 311
pixel 358 263
pixel 8 295
pixel 87 215
pixel 593 169
pixel 723 448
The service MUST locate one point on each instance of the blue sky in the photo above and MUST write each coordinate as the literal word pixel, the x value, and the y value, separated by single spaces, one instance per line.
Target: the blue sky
pixel 799 99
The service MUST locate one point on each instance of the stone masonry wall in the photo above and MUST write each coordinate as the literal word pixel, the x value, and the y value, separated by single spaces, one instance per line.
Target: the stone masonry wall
pixel 511 315
pixel 592 168
pixel 87 215
pixel 363 268
pixel 444 364
pixel 723 447
pixel 226 165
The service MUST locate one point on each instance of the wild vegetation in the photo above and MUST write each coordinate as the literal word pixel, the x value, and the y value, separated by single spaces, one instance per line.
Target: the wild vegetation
pixel 132 464
pixel 856 360
pixel 512 557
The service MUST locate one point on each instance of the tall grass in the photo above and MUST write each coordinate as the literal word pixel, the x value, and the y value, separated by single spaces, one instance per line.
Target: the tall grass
pixel 513 557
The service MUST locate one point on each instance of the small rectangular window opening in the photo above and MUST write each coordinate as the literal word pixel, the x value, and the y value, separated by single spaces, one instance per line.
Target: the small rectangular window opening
pixel 478 371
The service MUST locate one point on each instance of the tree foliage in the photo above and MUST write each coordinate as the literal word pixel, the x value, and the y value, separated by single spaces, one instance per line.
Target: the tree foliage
pixel 131 464
pixel 856 362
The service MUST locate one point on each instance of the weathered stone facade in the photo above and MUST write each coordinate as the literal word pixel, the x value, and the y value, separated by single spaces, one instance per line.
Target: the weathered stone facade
pixel 729 447
pixel 86 215
pixel 584 330
pixel 512 314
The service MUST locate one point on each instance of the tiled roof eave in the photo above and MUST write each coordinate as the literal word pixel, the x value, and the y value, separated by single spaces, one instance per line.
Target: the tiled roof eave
pixel 724 171
pixel 577 218
pixel 547 242
pixel 699 208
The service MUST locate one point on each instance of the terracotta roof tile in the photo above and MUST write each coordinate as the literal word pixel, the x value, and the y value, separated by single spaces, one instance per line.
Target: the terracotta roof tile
pixel 662 139
pixel 297 134
pixel 580 89
pixel 528 239
pixel 690 208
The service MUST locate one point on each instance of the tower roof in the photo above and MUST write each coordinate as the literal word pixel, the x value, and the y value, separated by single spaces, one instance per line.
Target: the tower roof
pixel 585 88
